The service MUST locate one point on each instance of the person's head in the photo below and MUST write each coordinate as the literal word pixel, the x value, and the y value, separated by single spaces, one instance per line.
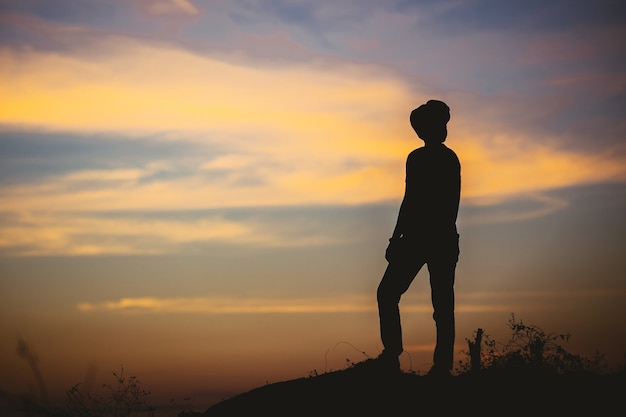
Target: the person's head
pixel 429 121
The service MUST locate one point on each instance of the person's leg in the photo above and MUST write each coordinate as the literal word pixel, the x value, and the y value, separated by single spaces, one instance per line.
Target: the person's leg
pixel 396 280
pixel 442 266
pixel 442 295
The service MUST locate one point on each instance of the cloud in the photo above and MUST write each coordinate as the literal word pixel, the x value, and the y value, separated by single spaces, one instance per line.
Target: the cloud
pixel 467 303
pixel 248 133
pixel 142 87
pixel 508 209
pixel 507 164
pixel 225 305
pixel 169 7
pixel 303 126
pixel 61 231
pixel 77 234
pixel 286 122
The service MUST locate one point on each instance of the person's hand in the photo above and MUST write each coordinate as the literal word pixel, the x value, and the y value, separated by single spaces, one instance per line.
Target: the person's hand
pixel 394 249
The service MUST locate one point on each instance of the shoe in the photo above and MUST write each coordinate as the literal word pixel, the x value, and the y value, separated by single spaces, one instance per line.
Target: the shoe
pixel 439 372
pixel 388 361
pixel 383 363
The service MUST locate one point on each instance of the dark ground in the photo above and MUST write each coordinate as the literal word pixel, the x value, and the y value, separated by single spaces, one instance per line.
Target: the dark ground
pixel 362 391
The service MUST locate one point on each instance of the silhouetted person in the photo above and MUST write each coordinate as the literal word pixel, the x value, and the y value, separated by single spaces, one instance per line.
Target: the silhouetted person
pixel 425 234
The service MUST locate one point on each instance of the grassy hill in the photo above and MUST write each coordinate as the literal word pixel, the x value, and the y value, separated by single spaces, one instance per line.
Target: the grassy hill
pixel 360 391
pixel 531 374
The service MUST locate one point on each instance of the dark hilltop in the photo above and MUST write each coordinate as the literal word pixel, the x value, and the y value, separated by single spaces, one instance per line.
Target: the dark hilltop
pixel 360 391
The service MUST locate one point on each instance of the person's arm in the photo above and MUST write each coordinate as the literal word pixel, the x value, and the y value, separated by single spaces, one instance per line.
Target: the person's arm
pixel 406 208
pixel 406 213
pixel 401 222
pixel 395 248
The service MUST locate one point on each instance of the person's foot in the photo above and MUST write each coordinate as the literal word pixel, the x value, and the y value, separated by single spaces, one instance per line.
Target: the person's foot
pixel 385 362
pixel 439 372
pixel 388 361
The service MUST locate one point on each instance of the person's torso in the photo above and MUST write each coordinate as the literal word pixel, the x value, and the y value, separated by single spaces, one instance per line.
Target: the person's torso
pixel 433 185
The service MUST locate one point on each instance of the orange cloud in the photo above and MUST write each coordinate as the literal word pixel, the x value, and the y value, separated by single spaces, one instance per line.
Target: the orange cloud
pixel 467 303
pixel 305 117
pixel 308 133
pixel 225 305
pixel 508 165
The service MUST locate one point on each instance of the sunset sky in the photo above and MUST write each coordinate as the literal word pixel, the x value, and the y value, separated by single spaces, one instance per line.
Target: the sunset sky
pixel 202 191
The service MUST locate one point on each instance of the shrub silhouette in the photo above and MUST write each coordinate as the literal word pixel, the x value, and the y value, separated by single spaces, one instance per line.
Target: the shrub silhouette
pixel 125 398
pixel 529 349
pixel 25 352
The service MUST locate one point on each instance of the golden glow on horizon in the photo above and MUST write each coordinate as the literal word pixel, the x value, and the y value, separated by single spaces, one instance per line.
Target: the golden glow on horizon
pixel 223 305
pixel 478 302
